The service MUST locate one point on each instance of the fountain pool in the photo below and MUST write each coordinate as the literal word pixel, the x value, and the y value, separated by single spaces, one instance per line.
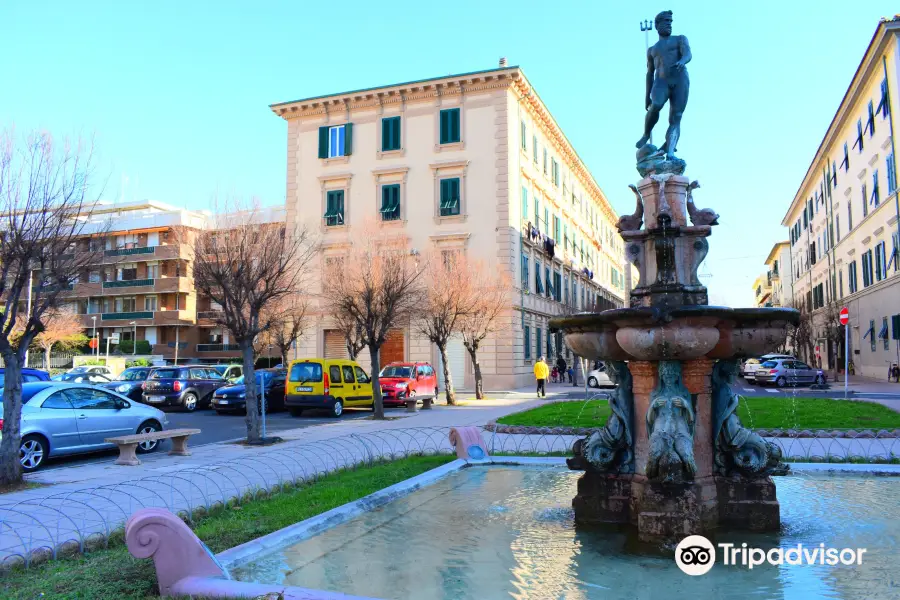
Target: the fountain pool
pixel 495 531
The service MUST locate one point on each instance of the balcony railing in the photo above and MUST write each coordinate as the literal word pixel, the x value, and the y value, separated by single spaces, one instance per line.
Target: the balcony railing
pixel 209 314
pixel 128 283
pixel 130 251
pixel 181 345
pixel 118 316
pixel 217 347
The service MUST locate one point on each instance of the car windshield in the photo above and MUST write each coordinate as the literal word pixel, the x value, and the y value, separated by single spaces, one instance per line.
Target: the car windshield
pixel 396 371
pixel 169 374
pixel 220 369
pixel 769 364
pixel 79 370
pixel 306 372
pixel 133 375
pixel 259 378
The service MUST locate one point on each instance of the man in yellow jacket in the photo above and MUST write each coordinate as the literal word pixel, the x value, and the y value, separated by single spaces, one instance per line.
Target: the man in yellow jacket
pixel 541 373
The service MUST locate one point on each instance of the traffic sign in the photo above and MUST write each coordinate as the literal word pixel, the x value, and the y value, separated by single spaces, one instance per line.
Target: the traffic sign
pixel 845 316
pixel 114 338
pixel 817 351
pixel 93 343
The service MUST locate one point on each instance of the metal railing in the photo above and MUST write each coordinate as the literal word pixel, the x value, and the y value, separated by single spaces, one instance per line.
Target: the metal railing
pixel 115 316
pixel 128 283
pixel 209 314
pixel 217 347
pixel 130 251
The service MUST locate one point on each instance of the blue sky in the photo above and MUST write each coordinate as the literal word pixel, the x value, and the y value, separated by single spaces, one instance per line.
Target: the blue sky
pixel 177 93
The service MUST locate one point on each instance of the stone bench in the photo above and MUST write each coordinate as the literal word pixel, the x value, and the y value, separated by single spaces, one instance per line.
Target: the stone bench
pixel 128 444
pixel 411 404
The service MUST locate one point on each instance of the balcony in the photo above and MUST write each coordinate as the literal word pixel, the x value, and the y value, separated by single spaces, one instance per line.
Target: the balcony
pixel 128 283
pixel 160 285
pixel 130 316
pixel 140 254
pixel 218 347
pixel 130 251
pixel 208 318
pixel 141 317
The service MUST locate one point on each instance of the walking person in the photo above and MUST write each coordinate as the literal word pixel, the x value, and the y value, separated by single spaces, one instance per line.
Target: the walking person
pixel 571 373
pixel 561 367
pixel 541 372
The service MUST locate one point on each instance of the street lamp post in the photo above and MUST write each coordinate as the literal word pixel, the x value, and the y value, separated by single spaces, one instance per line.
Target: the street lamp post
pixel 134 339
pixel 94 335
pixel 263 406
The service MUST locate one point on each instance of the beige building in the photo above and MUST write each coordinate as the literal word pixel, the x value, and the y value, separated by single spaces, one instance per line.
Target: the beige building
pixel 473 162
pixel 774 287
pixel 843 221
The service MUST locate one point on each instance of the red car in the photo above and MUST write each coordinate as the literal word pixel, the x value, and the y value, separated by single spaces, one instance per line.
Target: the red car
pixel 402 380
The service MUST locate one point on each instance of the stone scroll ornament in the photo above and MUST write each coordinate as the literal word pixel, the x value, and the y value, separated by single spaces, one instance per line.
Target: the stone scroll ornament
pixel 670 422
pixel 611 449
pixel 738 450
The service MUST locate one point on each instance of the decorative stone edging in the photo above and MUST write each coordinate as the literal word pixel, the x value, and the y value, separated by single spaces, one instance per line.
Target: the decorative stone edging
pixel 789 433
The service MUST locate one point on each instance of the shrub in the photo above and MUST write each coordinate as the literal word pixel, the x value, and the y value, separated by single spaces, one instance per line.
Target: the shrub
pixel 139 362
pixel 127 347
pixel 94 361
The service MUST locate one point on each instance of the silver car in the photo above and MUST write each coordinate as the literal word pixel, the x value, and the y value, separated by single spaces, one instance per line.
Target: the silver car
pixel 66 418
pixel 788 371
pixel 599 377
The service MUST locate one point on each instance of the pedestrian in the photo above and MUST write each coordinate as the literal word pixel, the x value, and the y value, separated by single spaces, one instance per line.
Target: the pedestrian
pixel 554 375
pixel 561 366
pixel 541 372
pixel 571 373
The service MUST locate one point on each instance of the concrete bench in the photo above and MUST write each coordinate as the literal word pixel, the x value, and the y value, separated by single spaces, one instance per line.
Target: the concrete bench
pixel 411 404
pixel 426 403
pixel 128 444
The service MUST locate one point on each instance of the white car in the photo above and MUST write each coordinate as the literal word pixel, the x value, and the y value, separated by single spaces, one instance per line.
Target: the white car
pixel 751 365
pixel 598 378
pixel 92 369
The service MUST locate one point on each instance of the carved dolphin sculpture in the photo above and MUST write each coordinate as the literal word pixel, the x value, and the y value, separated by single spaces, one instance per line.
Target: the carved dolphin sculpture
pixel 633 222
pixel 706 216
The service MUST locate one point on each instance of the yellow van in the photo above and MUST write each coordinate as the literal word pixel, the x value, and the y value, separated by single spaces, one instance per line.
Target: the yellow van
pixel 332 384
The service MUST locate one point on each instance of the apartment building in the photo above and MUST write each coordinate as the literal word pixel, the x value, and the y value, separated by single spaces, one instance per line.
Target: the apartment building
pixel 472 162
pixel 142 286
pixel 843 221
pixel 774 287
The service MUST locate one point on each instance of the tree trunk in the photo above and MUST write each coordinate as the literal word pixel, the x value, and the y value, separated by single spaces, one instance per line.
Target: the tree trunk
pixel 448 379
pixel 575 363
pixel 10 467
pixel 284 358
pixel 479 383
pixel 47 358
pixel 254 432
pixel 378 406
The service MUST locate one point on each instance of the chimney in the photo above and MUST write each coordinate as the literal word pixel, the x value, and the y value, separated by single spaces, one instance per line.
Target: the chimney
pixel 502 62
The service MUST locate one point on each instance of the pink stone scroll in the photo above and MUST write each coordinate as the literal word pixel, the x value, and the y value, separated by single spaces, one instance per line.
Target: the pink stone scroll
pixel 468 443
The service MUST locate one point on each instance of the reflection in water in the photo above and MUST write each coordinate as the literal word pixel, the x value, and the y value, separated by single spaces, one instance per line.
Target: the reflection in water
pixel 508 532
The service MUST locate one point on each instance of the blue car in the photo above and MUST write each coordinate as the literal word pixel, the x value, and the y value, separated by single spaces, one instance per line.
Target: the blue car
pixel 28 375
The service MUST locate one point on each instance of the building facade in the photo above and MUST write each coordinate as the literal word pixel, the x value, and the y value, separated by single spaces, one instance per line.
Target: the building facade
pixel 775 286
pixel 142 284
pixel 843 221
pixel 472 162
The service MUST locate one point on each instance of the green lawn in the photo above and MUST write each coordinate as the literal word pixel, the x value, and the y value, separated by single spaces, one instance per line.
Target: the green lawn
pixel 113 573
pixel 765 412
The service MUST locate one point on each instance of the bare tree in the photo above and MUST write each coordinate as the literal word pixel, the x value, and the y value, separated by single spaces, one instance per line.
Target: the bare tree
pixel 62 328
pixel 449 296
pixel 247 264
pixel 378 289
pixel 491 294
pixel 291 321
pixel 800 336
pixel 830 317
pixel 43 188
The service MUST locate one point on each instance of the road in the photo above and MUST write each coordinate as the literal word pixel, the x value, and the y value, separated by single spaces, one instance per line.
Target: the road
pixel 219 428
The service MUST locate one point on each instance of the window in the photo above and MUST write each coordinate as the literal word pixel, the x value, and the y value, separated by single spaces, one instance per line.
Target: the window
pixel 91 399
pixel 335 141
pixel 871 334
pixel 546 221
pixel 390 202
pixel 880 262
pixel 883 104
pixel 556 228
pixel 450 133
pixel 805 220
pixel 538 278
pixel 57 400
pixel 390 134
pixel 846 162
pixel 537 341
pixel 361 376
pixel 834 173
pixel 334 374
pixel 859 135
pixel 557 286
pixel 545 161
pixel 524 203
pixel 865 201
pixel 334 208
pixel 527 342
pixel 895 251
pixel 883 334
pixel 450 196
pixel 565 287
pixel 837 226
pixel 524 137
pixel 537 213
pixel 870 122
pixel 849 216
pixel 851 277
pixel 875 199
pixel 348 374
pixel 534 148
pixel 812 253
pixel 841 282
pixel 554 172
pixel 867 268
pixel 891 169
pixel 525 272
pixel 150 303
pixel 550 292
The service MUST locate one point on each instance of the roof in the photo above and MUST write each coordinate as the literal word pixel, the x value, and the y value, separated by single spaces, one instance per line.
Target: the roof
pixel 879 37
pixel 775 248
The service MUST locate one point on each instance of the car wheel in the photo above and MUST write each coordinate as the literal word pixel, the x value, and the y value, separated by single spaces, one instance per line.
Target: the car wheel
pixel 148 427
pixel 592 382
pixel 189 402
pixel 338 409
pixel 295 412
pixel 820 380
pixel 259 406
pixel 781 382
pixel 32 453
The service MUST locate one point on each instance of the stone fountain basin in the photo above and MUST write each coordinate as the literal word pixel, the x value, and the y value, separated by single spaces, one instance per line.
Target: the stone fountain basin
pixel 685 333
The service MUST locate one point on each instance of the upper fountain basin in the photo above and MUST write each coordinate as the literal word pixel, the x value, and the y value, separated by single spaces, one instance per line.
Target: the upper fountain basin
pixel 684 333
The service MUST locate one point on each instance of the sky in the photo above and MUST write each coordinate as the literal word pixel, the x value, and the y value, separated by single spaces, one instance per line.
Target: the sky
pixel 175 94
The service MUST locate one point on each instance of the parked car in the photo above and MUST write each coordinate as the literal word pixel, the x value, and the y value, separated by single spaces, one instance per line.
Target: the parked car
pixel 95 378
pixel 791 371
pixel 129 382
pixel 751 365
pixel 229 373
pixel 403 380
pixel 327 383
pixel 187 387
pixel 28 375
pixel 599 377
pixel 233 398
pixel 62 418
pixel 100 369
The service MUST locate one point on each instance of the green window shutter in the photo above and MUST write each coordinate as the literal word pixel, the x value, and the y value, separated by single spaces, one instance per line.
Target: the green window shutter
pixel 395 127
pixel 348 139
pixel 385 138
pixel 449 126
pixel 445 126
pixel 323 142
pixel 390 134
pixel 455 128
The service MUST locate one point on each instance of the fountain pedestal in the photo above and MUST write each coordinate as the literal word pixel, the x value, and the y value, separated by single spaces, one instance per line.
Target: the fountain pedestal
pixel 674 459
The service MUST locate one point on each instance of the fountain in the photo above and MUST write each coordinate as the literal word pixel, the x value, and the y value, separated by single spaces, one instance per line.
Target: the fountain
pixel 673 459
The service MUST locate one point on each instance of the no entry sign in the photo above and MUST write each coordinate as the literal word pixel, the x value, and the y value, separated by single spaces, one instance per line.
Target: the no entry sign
pixel 845 315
